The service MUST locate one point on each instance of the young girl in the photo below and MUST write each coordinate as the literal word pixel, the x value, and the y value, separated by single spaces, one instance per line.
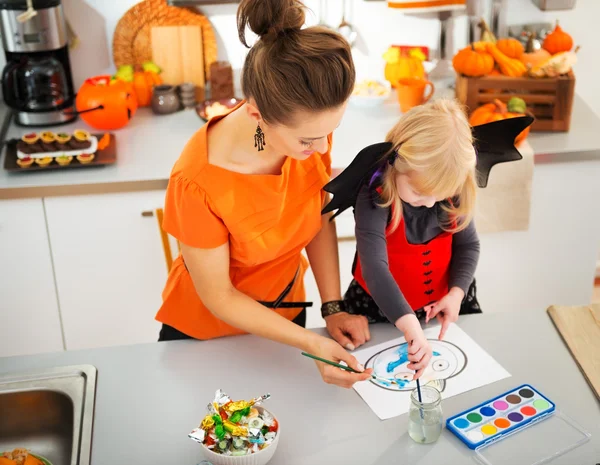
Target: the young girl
pixel 417 247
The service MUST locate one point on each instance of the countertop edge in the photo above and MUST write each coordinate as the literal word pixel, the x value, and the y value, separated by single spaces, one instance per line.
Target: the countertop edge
pixel 13 193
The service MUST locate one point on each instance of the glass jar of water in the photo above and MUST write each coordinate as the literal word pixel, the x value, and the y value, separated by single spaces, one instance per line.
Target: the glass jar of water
pixel 425 416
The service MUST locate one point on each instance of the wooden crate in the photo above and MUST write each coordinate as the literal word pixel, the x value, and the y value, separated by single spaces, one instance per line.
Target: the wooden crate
pixel 550 100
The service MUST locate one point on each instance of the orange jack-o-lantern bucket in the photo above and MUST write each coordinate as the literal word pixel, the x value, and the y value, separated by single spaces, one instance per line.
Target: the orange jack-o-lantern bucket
pixel 106 103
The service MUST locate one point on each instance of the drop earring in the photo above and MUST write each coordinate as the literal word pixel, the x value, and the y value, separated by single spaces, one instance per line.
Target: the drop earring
pixel 259 139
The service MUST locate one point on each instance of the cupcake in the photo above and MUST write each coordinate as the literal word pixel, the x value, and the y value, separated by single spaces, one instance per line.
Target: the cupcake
pixel 63 138
pixel 43 161
pixel 30 138
pixel 48 137
pixel 81 135
pixel 64 160
pixel 85 158
pixel 25 162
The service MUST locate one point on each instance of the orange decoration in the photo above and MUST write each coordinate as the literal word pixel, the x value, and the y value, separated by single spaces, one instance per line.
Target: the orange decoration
pixel 143 85
pixel 494 112
pixel 103 143
pixel 532 57
pixel 558 41
pixel 472 62
pixel 112 103
pixel 508 66
pixel 405 66
pixel 512 48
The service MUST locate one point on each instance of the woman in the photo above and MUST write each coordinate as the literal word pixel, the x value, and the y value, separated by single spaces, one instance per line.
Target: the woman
pixel 245 198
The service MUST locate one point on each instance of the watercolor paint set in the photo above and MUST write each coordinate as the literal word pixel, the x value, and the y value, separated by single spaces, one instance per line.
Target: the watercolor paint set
pixel 490 428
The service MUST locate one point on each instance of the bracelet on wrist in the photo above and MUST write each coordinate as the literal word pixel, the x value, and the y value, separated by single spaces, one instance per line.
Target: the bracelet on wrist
pixel 333 307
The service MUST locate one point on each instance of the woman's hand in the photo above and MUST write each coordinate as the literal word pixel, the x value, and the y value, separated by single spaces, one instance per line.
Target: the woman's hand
pixel 419 350
pixel 350 331
pixel 446 309
pixel 331 350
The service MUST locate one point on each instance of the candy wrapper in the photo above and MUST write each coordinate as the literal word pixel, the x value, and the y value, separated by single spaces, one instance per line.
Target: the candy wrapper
pixel 235 427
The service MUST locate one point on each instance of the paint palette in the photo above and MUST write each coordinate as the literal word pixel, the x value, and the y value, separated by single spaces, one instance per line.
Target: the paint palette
pixel 487 427
pixel 499 416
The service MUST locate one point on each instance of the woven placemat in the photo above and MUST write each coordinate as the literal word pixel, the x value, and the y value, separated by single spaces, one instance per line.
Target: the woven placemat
pixel 131 40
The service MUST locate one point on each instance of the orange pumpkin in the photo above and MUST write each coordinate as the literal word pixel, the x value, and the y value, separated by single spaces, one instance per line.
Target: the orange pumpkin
pixel 496 111
pixel 472 62
pixel 558 41
pixel 512 48
pixel 143 84
pixel 106 104
pixel 532 57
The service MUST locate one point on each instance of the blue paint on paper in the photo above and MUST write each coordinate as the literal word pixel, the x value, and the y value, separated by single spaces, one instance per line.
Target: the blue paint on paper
pixel 402 358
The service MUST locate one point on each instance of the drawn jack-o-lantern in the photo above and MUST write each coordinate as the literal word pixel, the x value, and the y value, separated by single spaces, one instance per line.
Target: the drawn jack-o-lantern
pixel 106 104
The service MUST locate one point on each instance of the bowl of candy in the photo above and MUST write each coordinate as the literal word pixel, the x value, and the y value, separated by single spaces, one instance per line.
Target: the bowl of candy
pixel 211 108
pixel 370 93
pixel 237 432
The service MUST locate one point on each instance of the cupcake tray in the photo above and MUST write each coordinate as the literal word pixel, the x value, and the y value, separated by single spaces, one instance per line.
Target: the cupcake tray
pixel 107 156
pixel 69 152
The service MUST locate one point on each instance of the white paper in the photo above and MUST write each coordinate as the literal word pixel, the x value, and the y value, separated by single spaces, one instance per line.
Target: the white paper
pixel 458 365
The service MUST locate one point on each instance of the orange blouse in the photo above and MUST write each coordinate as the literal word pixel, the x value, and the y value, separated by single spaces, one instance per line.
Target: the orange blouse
pixel 267 219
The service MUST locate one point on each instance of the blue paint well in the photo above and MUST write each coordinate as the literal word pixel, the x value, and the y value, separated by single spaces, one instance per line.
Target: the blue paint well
pixel 487 411
pixel 436 354
pixel 461 423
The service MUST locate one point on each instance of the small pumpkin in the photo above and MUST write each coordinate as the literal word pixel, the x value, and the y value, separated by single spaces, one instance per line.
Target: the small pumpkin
pixel 532 57
pixel 471 62
pixel 508 66
pixel 558 41
pixel 106 103
pixel 402 65
pixel 512 48
pixel 498 110
pixel 143 85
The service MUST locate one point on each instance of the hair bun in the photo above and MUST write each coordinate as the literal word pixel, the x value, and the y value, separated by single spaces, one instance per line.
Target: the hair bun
pixel 269 18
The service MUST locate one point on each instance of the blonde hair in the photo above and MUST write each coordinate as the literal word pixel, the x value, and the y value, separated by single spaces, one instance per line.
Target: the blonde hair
pixel 434 145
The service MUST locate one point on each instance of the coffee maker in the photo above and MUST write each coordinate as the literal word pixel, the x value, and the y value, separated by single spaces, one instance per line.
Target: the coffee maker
pixel 36 81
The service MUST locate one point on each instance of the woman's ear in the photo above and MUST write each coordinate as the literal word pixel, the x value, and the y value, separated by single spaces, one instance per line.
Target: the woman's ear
pixel 252 111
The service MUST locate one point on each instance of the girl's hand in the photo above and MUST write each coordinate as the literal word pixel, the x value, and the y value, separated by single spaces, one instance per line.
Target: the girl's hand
pixel 446 309
pixel 419 350
pixel 350 331
pixel 331 350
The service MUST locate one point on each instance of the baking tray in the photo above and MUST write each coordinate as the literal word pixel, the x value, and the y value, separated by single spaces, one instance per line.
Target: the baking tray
pixel 104 157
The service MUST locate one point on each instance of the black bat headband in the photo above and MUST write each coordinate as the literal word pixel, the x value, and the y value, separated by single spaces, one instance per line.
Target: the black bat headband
pixel 493 142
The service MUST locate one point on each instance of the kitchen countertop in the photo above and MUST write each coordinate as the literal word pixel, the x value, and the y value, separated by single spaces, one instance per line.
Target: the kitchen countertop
pixel 149 397
pixel 148 147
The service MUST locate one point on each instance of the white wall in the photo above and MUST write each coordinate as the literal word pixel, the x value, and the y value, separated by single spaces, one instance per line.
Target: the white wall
pixel 378 26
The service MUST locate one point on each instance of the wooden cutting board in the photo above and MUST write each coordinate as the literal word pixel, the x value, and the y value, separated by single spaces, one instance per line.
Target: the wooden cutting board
pixel 166 53
pixel 178 51
pixel 580 329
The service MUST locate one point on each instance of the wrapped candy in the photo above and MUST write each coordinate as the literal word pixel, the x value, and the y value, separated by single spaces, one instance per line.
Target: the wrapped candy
pixel 236 427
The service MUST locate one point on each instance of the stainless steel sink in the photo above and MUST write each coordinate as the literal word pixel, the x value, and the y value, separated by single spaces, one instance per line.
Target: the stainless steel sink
pixel 50 412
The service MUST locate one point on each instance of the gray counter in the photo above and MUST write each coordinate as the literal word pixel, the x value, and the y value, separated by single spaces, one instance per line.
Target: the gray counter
pixel 150 396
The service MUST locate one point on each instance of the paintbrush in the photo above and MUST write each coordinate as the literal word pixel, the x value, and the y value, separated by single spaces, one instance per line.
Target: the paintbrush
pixel 421 413
pixel 347 368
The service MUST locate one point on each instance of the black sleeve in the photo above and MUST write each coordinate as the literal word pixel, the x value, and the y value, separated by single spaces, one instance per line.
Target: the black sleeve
pixel 465 256
pixel 371 244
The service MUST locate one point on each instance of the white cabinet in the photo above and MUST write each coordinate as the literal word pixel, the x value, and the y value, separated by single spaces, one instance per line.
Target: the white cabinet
pixel 109 265
pixel 29 315
pixel 347 249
